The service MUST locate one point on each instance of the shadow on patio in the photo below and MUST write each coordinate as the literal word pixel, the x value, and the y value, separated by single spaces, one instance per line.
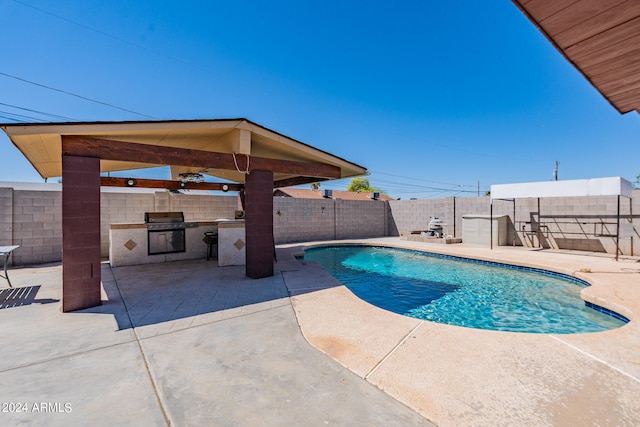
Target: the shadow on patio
pixel 186 293
pixel 21 296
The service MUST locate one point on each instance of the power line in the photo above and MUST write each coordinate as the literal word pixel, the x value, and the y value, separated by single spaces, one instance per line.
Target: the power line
pixel 18 117
pixel 76 95
pixel 424 180
pixel 421 187
pixel 103 33
pixel 86 27
pixel 37 112
pixel 411 187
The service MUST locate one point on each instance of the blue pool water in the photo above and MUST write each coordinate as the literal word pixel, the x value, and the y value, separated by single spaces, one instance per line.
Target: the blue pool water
pixel 458 292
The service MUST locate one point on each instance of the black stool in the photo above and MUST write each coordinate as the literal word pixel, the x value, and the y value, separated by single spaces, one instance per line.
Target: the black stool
pixel 211 239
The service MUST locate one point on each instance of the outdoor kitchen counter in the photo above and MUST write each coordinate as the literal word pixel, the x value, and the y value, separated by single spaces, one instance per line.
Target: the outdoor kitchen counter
pixel 129 244
pixel 231 243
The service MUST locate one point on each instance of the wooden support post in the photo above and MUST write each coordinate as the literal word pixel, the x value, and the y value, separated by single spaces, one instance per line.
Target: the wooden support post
pixel 80 233
pixel 259 224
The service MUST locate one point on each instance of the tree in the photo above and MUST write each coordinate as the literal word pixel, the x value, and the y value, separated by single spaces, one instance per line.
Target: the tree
pixel 361 185
pixel 636 183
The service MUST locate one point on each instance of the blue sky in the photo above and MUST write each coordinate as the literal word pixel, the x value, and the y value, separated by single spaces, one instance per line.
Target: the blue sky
pixel 431 97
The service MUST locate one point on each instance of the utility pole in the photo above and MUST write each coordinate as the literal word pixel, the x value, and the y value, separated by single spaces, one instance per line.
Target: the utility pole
pixel 478 188
pixel 555 171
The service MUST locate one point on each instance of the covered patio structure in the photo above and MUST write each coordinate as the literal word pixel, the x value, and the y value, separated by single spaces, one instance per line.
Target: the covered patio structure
pixel 249 158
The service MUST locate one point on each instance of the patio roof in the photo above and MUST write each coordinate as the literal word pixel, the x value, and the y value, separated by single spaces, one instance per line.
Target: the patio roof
pixel 219 147
pixel 600 38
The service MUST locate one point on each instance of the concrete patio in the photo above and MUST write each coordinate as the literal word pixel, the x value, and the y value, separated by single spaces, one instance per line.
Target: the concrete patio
pixel 183 343
pixel 189 343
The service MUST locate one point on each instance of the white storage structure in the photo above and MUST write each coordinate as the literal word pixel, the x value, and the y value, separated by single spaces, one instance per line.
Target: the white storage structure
pixel 477 229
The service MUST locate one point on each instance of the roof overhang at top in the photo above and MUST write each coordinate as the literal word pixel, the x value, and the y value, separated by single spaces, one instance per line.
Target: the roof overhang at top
pixel 601 38
pixel 615 186
pixel 41 144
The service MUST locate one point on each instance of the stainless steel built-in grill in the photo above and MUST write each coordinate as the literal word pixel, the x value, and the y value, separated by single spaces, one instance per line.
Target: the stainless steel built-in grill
pixel 166 232
pixel 164 220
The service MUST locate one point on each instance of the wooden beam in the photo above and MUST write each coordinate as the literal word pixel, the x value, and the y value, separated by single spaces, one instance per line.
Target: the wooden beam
pixel 107 181
pixel 104 149
pixel 290 182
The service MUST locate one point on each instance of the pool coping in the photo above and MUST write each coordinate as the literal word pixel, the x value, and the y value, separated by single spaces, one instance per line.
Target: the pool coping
pixel 530 372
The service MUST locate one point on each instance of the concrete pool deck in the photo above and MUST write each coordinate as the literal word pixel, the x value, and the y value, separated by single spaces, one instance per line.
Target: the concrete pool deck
pixel 188 343
pixel 460 376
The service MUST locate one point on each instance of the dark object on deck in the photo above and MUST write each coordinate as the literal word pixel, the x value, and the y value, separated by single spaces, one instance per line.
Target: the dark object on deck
pixel 211 239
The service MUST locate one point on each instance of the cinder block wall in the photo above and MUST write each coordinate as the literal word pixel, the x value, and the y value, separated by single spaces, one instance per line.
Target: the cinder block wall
pixel 119 208
pixel 6 216
pixel 37 226
pixel 588 224
pixel 197 208
pixel 33 218
pixel 414 215
pixel 577 223
pixel 297 220
pixel 360 219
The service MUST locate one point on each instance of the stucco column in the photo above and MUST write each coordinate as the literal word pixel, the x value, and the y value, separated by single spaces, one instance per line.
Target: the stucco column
pixel 80 232
pixel 259 224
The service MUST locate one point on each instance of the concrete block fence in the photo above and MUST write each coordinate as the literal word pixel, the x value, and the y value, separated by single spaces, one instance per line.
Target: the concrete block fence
pixel 33 220
pixel 297 220
pixel 31 216
pixel 576 223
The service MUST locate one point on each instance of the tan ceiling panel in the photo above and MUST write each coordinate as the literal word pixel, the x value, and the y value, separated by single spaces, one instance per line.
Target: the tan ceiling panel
pixel 41 144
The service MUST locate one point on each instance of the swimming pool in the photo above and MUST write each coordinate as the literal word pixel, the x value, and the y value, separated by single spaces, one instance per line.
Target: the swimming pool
pixel 455 291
